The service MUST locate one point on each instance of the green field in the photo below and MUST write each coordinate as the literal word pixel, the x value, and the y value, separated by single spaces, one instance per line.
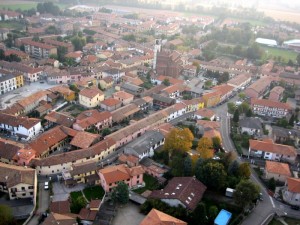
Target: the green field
pixel 252 22
pixel 12 25
pixel 285 55
pixel 23 6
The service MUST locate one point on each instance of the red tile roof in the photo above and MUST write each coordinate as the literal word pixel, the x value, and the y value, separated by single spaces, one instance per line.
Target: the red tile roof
pixel 156 217
pixel 270 104
pixel 293 185
pixel 278 168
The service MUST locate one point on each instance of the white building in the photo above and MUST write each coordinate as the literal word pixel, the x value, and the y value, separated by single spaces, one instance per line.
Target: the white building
pixel 291 192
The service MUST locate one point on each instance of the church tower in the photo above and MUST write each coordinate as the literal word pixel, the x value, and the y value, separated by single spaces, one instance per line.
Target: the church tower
pixel 157 48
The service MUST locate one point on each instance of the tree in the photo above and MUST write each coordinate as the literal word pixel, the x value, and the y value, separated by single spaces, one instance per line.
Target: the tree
pixel 78 204
pixel 105 132
pixel 166 82
pixel 298 59
pixel 205 148
pixel 212 174
pixel 249 113
pixel 120 193
pixel 208 83
pixel 236 116
pixel 179 140
pixel 245 170
pixel 52 30
pixel 90 39
pixel 244 107
pixel 199 215
pixel 78 43
pixel 187 167
pixel 231 107
pixel 216 142
pixel 233 168
pixel 177 166
pixel 242 95
pixel 6 215
pixel 272 184
pixel 61 52
pixel 213 212
pixel 198 167
pixel 246 192
pixel 292 120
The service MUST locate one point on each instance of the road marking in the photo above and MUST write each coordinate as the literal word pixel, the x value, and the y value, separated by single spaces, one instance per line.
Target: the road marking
pixel 271 199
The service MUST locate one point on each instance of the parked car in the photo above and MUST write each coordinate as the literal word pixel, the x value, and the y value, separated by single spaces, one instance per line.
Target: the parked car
pixel 46 185
pixel 295 207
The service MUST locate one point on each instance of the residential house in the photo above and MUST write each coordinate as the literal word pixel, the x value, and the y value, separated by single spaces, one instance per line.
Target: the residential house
pixel 278 171
pixel 144 103
pixel 123 97
pixel 90 97
pixel 156 217
pixel 265 107
pixel 58 163
pixel 106 83
pixel 205 113
pixel 225 91
pixel 10 81
pixel 258 88
pixel 52 140
pixel 194 104
pixel 268 150
pixel 110 176
pixel 211 99
pixel 31 102
pixel 128 159
pixel 276 94
pixel 184 191
pixel 93 119
pixel 251 126
pixel 58 118
pixel 87 216
pixel 291 192
pixel 161 101
pixel 39 50
pixel 81 173
pixel 58 44
pixel 10 15
pixel 175 91
pixel 75 56
pixel 110 104
pixel 145 145
pixel 284 135
pixel 61 207
pixel 160 79
pixel 63 219
pixel 64 91
pixel 23 127
pixel 83 140
pixel 154 169
pixel 18 182
pixel 124 113
pixel 114 73
pixel 22 55
pixel 240 81
pixel 189 70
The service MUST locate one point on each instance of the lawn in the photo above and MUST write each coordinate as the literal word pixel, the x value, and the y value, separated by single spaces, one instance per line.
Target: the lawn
pixel 252 22
pixel 22 6
pixel 12 25
pixel 285 54
pixel 289 221
pixel 95 192
pixel 150 184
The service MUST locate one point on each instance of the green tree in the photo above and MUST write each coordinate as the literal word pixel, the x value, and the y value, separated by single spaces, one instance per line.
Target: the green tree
pixel 78 204
pixel 177 166
pixel 208 83
pixel 188 166
pixel 282 123
pixel 216 142
pixel 199 215
pixel 272 184
pixel 120 193
pixel 242 95
pixel 236 116
pixel 245 170
pixel 244 107
pixel 61 52
pixel 78 43
pixel 213 212
pixel 105 132
pixel 292 120
pixel 231 107
pixel 212 174
pixel 6 215
pixel 298 59
pixel 198 167
pixel 249 113
pixel 246 192
pixel 233 168
pixel 166 82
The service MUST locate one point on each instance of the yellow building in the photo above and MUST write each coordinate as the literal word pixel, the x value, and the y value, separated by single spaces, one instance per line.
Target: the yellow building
pixel 211 99
pixel 106 83
pixel 19 80
pixel 90 97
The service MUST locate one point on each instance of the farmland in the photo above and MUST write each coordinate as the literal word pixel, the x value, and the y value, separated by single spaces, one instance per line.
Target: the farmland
pixel 285 54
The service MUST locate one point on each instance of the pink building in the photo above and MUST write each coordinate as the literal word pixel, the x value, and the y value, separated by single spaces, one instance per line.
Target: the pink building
pixel 112 175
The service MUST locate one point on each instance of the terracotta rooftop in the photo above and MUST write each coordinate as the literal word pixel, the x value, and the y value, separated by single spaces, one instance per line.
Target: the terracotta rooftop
pixel 208 113
pixel 60 118
pixel 16 121
pixel 293 185
pixel 269 103
pixel 271 147
pixel 120 172
pixel 122 95
pixel 278 168
pixel 110 102
pixel 61 207
pixel 156 217
pixel 188 190
pixel 91 92
pixel 84 139
pixel 31 99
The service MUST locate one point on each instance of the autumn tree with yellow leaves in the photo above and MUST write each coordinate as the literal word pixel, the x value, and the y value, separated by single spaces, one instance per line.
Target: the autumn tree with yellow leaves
pixel 179 141
pixel 205 148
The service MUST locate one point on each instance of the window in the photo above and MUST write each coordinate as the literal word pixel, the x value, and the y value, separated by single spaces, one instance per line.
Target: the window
pixel 30 187
pixel 24 194
pixel 138 176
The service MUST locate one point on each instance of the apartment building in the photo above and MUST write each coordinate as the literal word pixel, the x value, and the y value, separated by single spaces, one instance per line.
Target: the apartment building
pixel 17 181
pixel 90 97
pixel 265 107
pixel 39 50
pixel 8 82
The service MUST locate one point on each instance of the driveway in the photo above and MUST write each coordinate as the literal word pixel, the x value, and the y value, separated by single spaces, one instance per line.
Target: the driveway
pixel 62 193
pixel 21 208
pixel 128 214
